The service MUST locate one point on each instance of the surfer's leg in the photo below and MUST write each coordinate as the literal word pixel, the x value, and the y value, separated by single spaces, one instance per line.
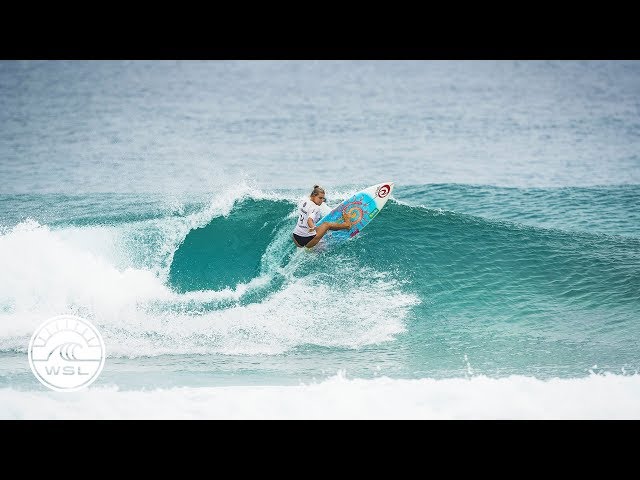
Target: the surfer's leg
pixel 322 229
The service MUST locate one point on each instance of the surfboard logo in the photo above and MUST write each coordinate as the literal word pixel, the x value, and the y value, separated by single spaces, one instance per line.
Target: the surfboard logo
pixel 354 211
pixel 356 214
pixel 383 191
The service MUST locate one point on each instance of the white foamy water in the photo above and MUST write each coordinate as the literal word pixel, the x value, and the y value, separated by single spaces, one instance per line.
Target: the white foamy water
pixel 83 271
pixel 517 397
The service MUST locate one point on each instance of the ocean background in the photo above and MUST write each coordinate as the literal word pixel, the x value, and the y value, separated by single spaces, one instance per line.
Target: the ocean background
pixel 157 198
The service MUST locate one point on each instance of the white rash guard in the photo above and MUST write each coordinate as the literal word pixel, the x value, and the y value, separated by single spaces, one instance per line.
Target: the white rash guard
pixel 306 209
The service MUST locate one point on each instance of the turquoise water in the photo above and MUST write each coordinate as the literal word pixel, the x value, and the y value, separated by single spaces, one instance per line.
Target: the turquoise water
pixel 156 199
pixel 232 296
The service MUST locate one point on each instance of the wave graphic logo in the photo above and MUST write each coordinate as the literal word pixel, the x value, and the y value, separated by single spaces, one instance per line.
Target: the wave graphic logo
pixel 66 353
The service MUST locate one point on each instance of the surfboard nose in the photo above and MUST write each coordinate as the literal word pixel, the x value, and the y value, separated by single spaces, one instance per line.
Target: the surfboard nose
pixel 383 189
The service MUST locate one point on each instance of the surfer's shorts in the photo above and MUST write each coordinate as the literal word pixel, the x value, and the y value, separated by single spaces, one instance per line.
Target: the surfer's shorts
pixel 302 241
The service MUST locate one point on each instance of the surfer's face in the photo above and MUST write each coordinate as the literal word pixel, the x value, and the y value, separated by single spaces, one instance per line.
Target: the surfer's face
pixel 318 199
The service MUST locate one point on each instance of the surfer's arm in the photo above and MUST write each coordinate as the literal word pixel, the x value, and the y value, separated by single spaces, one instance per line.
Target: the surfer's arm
pixel 311 223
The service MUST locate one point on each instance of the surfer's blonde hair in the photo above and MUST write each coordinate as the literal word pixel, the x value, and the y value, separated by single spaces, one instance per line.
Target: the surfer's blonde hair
pixel 317 189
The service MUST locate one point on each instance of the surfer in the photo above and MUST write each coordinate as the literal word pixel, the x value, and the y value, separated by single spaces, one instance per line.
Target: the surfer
pixel 305 234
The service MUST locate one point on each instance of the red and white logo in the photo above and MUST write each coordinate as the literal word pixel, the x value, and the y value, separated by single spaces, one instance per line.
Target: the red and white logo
pixel 383 191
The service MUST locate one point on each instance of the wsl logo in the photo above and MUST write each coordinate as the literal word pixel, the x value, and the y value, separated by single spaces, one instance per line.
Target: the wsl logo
pixel 66 353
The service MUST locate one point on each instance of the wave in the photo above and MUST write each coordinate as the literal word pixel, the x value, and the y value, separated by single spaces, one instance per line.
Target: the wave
pixel 48 272
pixel 610 209
pixel 444 252
pixel 221 275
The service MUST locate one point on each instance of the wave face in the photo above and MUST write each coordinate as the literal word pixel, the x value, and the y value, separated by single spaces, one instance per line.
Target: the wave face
pixel 228 250
pixel 541 282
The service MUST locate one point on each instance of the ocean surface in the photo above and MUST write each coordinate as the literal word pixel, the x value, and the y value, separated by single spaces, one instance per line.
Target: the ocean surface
pixel 157 198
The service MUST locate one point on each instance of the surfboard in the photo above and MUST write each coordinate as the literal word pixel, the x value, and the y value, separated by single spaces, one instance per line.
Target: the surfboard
pixel 362 207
